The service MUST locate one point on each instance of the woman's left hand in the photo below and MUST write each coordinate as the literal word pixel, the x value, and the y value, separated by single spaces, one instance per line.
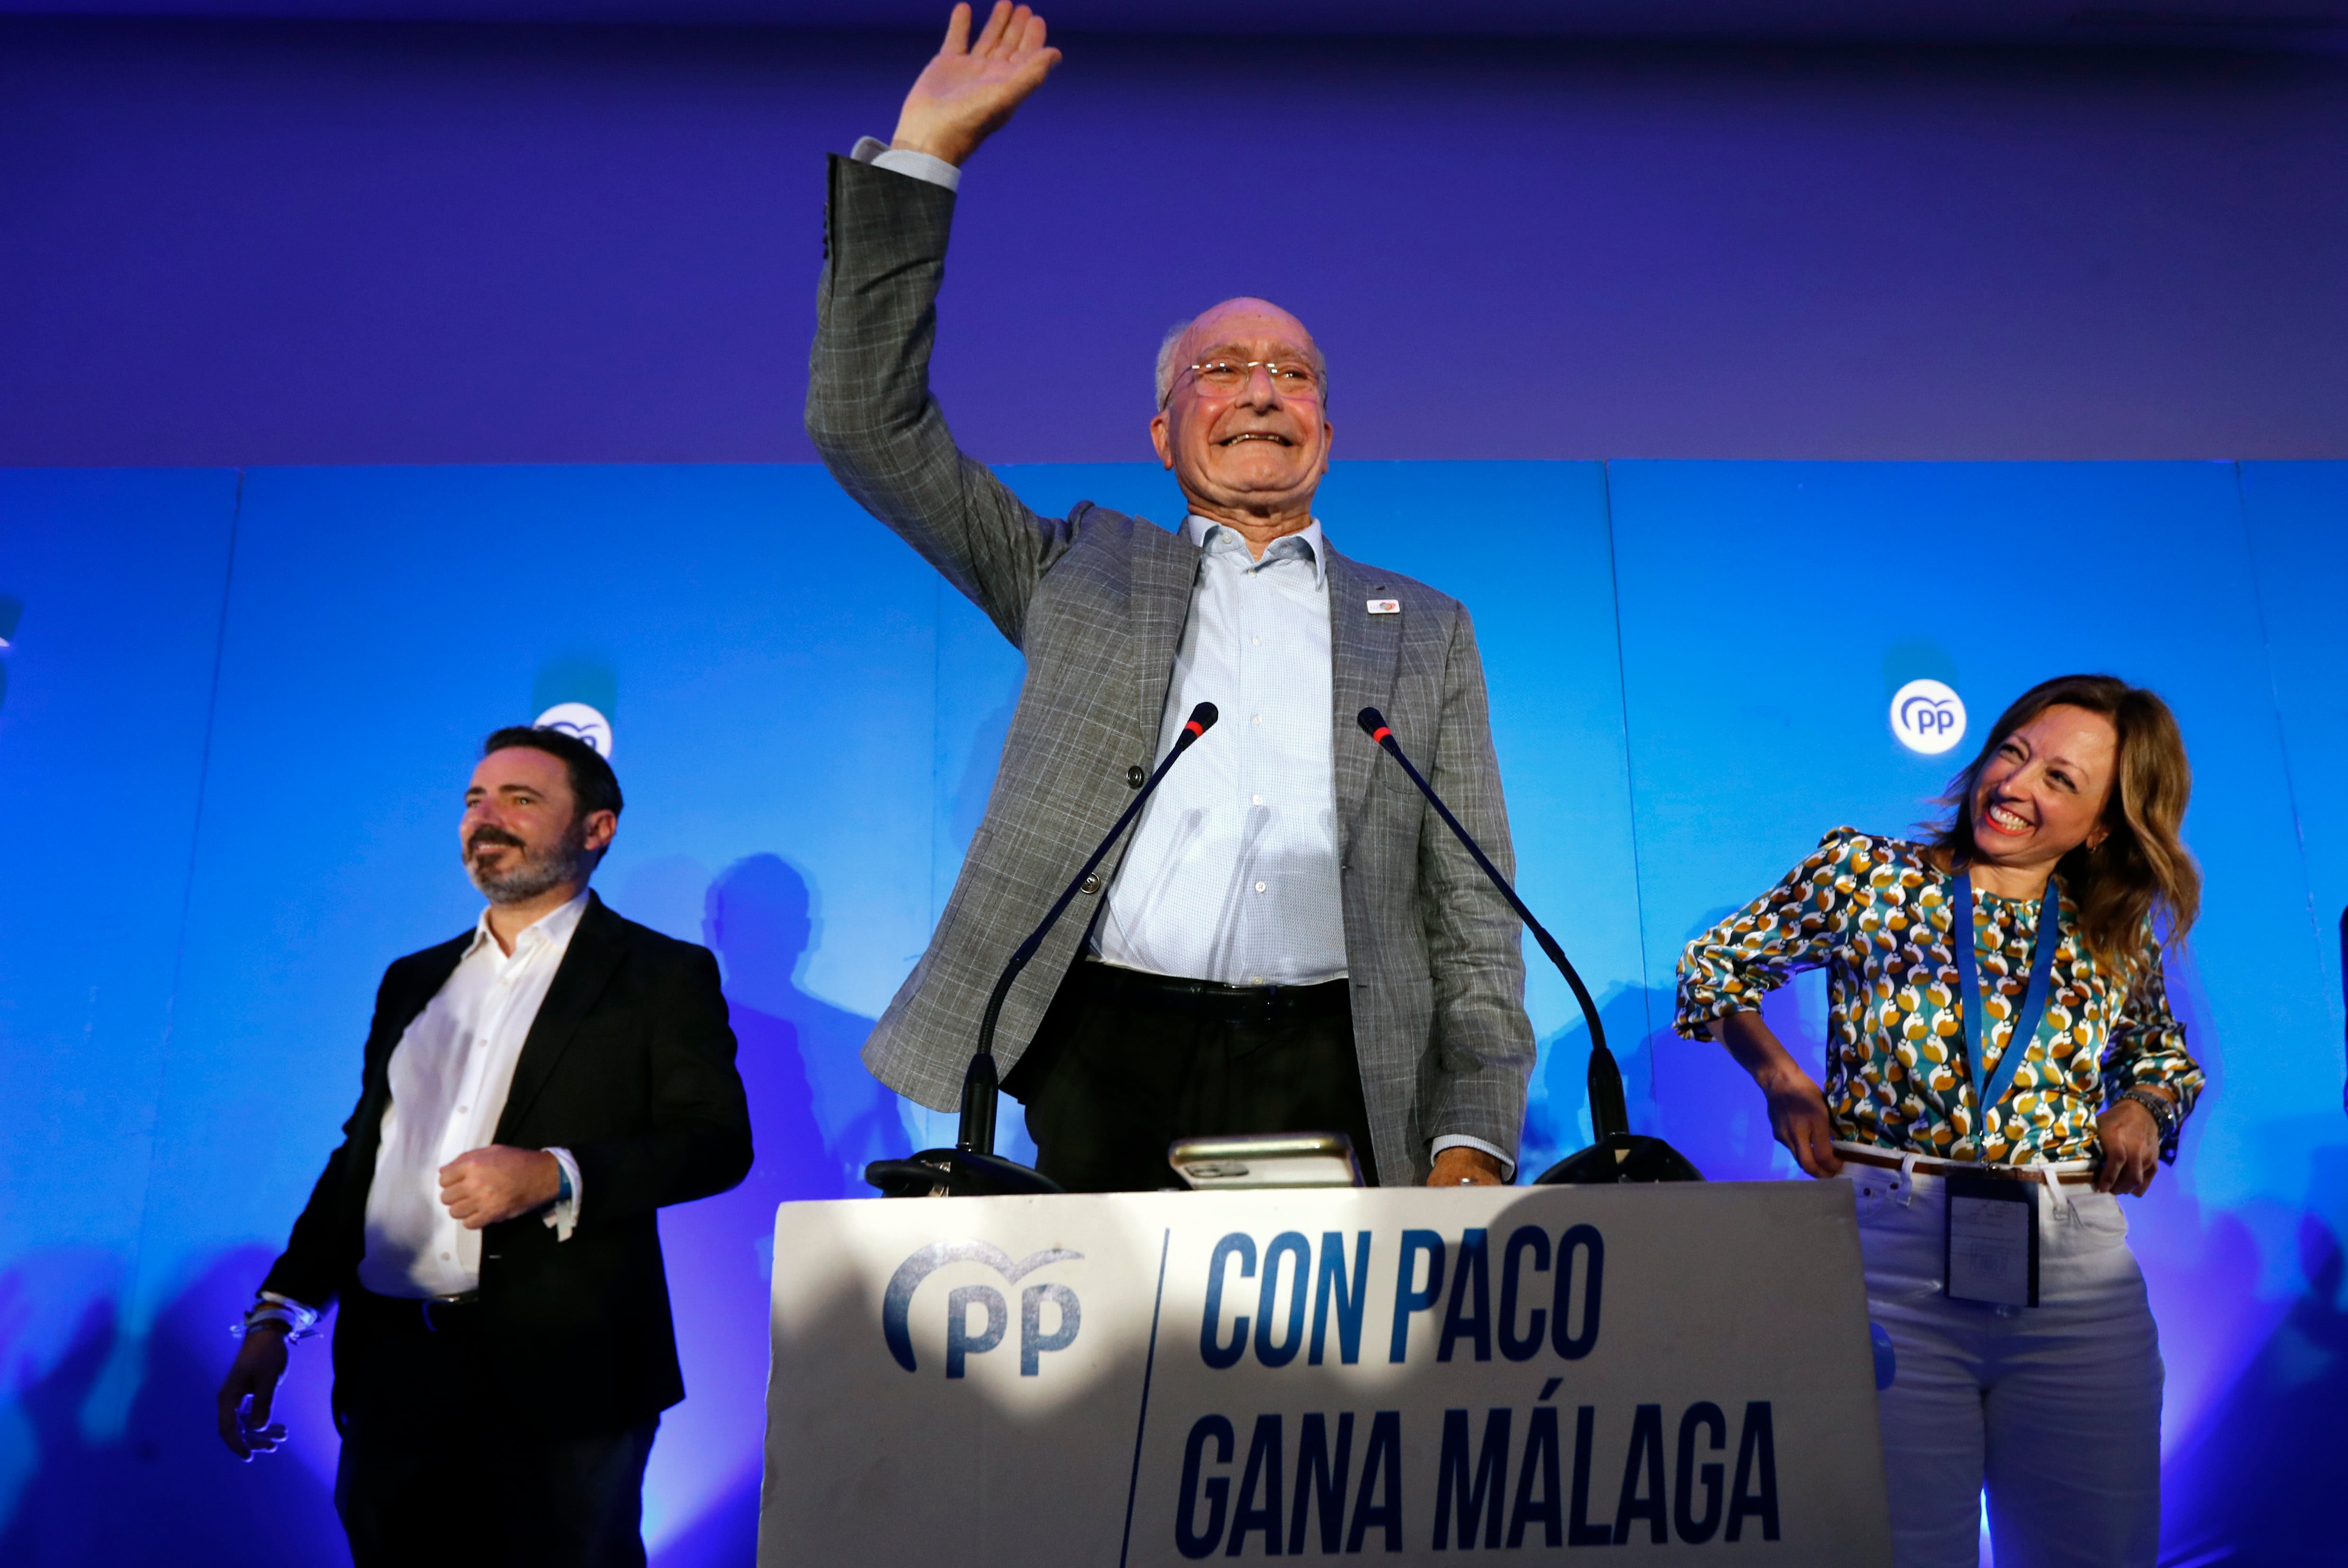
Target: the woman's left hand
pixel 2131 1149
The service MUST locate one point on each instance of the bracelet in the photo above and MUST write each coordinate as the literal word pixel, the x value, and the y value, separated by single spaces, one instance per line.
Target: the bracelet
pixel 2164 1114
pixel 300 1321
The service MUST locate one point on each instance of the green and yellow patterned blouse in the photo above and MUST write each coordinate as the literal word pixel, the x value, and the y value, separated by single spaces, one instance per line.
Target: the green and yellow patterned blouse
pixel 1876 913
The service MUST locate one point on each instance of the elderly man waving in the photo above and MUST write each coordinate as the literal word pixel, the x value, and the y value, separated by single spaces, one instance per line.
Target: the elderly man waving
pixel 1288 943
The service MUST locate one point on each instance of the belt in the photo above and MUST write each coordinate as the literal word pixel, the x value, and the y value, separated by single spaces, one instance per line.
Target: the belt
pixel 1926 1166
pixel 451 1313
pixel 411 1315
pixel 1209 999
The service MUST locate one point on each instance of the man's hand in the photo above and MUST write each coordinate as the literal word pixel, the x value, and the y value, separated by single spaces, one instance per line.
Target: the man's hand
pixel 499 1183
pixel 246 1392
pixel 1461 1166
pixel 2131 1140
pixel 968 91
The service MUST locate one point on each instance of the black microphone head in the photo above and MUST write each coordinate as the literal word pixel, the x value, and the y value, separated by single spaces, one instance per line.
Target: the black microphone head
pixel 1202 720
pixel 1373 725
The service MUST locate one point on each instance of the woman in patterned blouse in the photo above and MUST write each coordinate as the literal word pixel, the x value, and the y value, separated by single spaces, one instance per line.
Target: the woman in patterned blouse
pixel 2077 795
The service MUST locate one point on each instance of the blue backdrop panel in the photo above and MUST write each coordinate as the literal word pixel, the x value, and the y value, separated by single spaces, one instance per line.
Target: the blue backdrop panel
pixel 110 587
pixel 1770 611
pixel 2299 529
pixel 2253 1480
pixel 808 723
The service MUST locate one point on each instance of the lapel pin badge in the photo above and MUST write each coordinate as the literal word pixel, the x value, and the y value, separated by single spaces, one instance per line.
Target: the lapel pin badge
pixel 1384 606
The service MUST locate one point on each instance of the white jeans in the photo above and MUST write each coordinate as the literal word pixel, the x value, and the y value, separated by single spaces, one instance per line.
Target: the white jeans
pixel 2055 1407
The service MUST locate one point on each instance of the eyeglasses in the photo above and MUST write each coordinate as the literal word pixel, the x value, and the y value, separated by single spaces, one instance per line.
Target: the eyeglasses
pixel 1223 378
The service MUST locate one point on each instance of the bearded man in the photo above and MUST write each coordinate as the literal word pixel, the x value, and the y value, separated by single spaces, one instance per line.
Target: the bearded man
pixel 532 1093
pixel 1289 940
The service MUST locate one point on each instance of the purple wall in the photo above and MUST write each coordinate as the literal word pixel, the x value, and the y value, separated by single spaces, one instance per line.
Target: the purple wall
pixel 273 243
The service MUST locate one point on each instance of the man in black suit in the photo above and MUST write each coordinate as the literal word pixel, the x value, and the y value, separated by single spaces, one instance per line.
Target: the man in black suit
pixel 534 1092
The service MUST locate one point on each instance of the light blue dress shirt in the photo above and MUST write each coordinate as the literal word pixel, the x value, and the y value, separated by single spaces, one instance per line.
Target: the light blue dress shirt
pixel 1233 875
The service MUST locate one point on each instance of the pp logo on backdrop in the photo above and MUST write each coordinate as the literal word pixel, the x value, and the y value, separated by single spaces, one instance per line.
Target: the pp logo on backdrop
pixel 963 1301
pixel 578 719
pixel 1928 717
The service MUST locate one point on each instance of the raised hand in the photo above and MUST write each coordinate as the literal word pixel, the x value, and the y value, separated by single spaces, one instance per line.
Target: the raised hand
pixel 968 91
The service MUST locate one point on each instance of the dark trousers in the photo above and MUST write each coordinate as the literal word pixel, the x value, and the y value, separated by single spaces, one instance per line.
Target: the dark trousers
pixel 1123 1066
pixel 434 1472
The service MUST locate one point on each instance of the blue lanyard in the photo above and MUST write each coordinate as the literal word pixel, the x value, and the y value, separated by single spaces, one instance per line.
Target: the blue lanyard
pixel 2033 1002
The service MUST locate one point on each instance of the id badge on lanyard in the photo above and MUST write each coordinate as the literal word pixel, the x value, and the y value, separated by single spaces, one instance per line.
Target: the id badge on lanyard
pixel 1992 1223
pixel 1993 1240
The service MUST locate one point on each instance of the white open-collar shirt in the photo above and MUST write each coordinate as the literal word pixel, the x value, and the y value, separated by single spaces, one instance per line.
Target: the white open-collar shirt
pixel 450 1074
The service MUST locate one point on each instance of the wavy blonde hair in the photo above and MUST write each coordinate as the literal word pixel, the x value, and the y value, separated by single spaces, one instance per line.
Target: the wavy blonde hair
pixel 2142 868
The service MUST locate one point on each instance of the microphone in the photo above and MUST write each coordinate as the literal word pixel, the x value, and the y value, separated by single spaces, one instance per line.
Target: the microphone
pixel 1619 1154
pixel 970 1166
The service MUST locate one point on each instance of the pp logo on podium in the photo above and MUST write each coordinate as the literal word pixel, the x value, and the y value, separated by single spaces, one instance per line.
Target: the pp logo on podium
pixel 1927 717
pixel 963 1342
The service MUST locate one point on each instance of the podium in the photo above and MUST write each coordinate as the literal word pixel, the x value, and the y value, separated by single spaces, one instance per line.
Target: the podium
pixel 1682 1371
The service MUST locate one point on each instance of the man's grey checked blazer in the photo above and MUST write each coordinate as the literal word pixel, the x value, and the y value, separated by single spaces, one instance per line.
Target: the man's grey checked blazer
pixel 1096 603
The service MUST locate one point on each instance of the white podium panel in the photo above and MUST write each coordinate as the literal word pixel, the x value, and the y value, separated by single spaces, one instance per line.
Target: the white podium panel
pixel 1153 1378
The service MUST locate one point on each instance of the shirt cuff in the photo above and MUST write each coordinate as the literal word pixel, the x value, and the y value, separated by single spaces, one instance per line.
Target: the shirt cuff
pixel 563 1217
pixel 904 160
pixel 1462 1140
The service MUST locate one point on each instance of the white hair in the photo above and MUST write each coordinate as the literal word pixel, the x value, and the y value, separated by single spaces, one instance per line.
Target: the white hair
pixel 1168 369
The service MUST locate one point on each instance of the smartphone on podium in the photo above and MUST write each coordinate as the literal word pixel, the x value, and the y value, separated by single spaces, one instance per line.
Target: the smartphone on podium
pixel 1251 1161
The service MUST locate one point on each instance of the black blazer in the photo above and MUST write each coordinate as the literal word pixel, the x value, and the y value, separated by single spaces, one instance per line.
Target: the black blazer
pixel 629 1065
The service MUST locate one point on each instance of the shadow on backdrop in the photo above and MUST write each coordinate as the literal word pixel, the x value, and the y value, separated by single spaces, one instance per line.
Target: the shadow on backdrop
pixel 1690 1093
pixel 2256 1482
pixel 817 1116
pixel 161 1487
pixel 1687 1092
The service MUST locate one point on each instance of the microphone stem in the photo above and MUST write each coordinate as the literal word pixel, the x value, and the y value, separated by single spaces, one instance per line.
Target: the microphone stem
pixel 1608 1112
pixel 980 1082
